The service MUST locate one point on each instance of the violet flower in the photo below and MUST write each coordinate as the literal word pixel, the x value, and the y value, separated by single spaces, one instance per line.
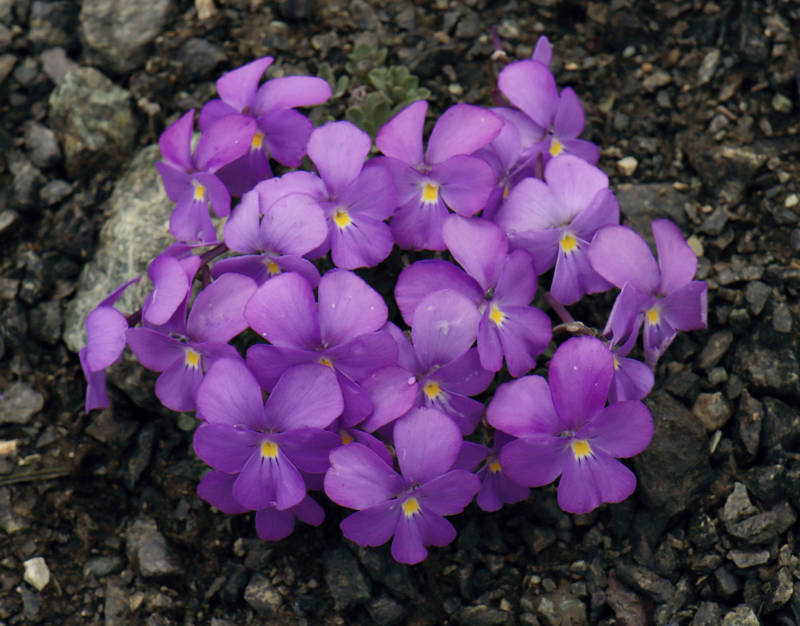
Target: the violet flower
pixel 185 347
pixel 267 445
pixel 563 429
pixel 171 273
pixel 555 220
pixel 280 132
pixel 662 294
pixel 444 177
pixel 409 506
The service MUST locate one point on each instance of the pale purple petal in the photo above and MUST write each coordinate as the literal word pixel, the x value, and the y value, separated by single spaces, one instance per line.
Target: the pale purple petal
pixel 498 489
pixel 225 141
pixel 363 355
pixel 531 206
pixel 241 230
pixel 422 278
pixel 463 411
pixel 543 52
pixel 470 455
pixel 580 375
pixel 461 129
pixel 466 183
pixel 286 134
pixel 357 403
pixel 595 479
pixel 449 493
pixel 427 444
pixel 218 311
pixel 364 242
pixel 177 386
pixel 96 393
pixel 535 461
pixel 401 136
pixel 625 317
pixel 464 375
pixel 574 182
pixel 238 87
pixel 490 350
pixel 574 276
pixel 269 191
pixel 268 362
pixel 656 339
pixel 216 194
pixel 417 225
pixel 338 149
pixel 176 181
pixel 621 429
pixel 304 396
pixel 406 356
pixel 175 142
pixel 603 210
pixel 408 546
pixel 230 394
pixel 358 478
pixel 105 330
pixel 224 447
pixel 154 349
pixel 283 311
pixel 348 307
pixel 266 481
pixel 621 256
pixel 212 111
pixel 582 149
pixel 242 174
pixel 570 118
pixel 516 284
pixel 479 246
pixel 274 525
pixel 190 220
pixel 294 224
pixel 676 260
pixel 299 265
pixel 288 92
pixel 687 307
pixel 525 333
pixel 530 86
pixel 392 391
pixel 445 326
pixel 633 380
pixel 216 488
pixel 542 245
pixel 524 408
pixel 372 193
pixel 372 526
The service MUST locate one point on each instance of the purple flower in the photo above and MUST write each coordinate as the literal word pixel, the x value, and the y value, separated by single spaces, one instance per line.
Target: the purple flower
pixel 633 380
pixel 189 180
pixel 267 445
pixel 661 293
pixel 171 273
pixel 183 349
pixel 555 220
pixel 444 177
pixel 565 430
pixel 342 332
pixel 409 506
pixel 105 342
pixel 281 132
pixel 529 85
pixel 291 227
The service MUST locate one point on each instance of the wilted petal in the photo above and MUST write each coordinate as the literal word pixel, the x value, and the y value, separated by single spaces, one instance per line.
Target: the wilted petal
pixel 358 478
pixel 401 136
pixel 427 444
pixel 461 129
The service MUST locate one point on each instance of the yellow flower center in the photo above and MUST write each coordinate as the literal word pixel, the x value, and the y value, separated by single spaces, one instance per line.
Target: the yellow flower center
pixel 616 363
pixel 346 437
pixel 269 449
pixel 199 192
pixel 653 316
pixel 342 218
pixel 432 390
pixel 494 466
pixel 581 448
pixel 192 358
pixel 273 268
pixel 556 147
pixel 258 141
pixel 568 242
pixel 410 507
pixel 430 192
pixel 496 315
pixel 326 362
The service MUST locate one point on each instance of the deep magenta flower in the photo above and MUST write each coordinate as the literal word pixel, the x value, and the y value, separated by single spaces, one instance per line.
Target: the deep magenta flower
pixel 444 177
pixel 563 429
pixel 280 132
pixel 267 445
pixel 409 506
pixel 662 294
pixel 555 220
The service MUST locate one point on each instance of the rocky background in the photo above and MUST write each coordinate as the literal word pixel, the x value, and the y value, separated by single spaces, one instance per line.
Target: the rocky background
pixel 695 105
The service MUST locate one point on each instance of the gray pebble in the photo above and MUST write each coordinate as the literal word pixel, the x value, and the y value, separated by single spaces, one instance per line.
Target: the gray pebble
pixel 756 294
pixel 737 505
pixel 8 219
pixel 199 57
pixel 262 596
pixel 27 179
pixel 756 530
pixel 346 582
pixel 749 419
pixel 102 566
pixel 385 610
pixel 45 321
pixel 742 615
pixel 744 559
pixel 148 549
pixel 781 424
pixel 55 191
pixel 19 402
pixel 727 583
pixel 712 409
pixel 715 349
pixel 646 582
pixel 782 318
pixel 42 145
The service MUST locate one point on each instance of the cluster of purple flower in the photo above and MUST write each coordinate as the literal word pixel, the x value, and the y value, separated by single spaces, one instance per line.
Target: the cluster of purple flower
pixel 510 193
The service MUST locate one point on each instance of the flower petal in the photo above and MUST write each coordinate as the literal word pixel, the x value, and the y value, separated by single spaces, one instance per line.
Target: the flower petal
pixel 461 129
pixel 445 327
pixel 294 224
pixel 274 525
pixel 216 488
pixel 286 134
pixel 348 307
pixel 288 92
pixel 687 307
pixel 621 256
pixel 230 394
pixel 224 447
pixel 358 478
pixel 401 136
pixel 175 142
pixel 449 493
pixel 266 481
pixel 676 260
pixel 466 183
pixel 338 149
pixel 392 391
pixel 535 461
pixel 105 330
pixel 570 118
pixel 480 247
pixel 283 311
pixel 621 429
pixel 597 478
pixel 241 230
pixel 530 86
pixel 427 444
pixel 218 310
pixel 372 526
pixel 524 407
pixel 238 87
pixel 305 396
pixel 422 278
pixel 225 141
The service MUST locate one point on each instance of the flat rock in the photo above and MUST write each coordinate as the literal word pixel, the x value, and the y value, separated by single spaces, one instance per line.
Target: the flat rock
pixel 726 170
pixel 641 203
pixel 19 402
pixel 744 559
pixel 749 418
pixel 261 594
pixel 148 549
pixel 644 581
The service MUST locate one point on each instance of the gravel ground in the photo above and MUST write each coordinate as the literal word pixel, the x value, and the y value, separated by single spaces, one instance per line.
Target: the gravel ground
pixel 695 105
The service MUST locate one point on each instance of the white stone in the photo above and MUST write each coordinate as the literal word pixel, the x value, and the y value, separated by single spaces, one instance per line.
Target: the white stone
pixel 36 573
pixel 627 166
pixel 791 201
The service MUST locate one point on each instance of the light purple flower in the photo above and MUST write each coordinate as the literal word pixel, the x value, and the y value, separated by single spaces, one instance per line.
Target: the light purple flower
pixel 409 506
pixel 563 429
pixel 267 445
pixel 444 177
pixel 662 294
pixel 171 273
pixel 280 133
pixel 555 220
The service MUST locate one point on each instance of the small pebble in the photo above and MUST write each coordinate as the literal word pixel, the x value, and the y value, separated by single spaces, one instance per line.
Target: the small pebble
pixel 781 103
pixel 791 201
pixel 36 573
pixel 627 166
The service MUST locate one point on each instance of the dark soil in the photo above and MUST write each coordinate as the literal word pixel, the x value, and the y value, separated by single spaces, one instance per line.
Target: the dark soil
pixel 703 95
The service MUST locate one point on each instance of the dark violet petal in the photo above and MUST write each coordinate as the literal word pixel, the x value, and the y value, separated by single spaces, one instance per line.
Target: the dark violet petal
pixel 407 180
pixel 401 137
pixel 218 310
pixel 283 311
pixel 479 246
pixel 597 478
pixel 105 330
pixel 602 211
pixel 274 525
pixel 252 265
pixel 464 412
pixel 445 327
pixel 286 133
pixel 434 529
pixel 449 493
pixel 288 92
pixel 154 349
pixel 364 242
pixel 175 142
pixel 308 448
pixel 427 444
pixel 216 488
pixel 530 133
pixel 96 392
pixel 633 380
pixel 524 408
pixel 241 230
pixel 574 183
pixel 525 333
pixel 358 478
pixel 348 307
pixel 406 356
pixel 111 298
pixel 176 181
pixel 542 245
pixel 212 111
pixel 309 511
pixel 687 307
pixel 625 317
pixel 170 286
pixel 580 375
pixel 305 396
pixel 470 455
pixel 498 489
pixel 266 481
pixel 408 545
pixel 464 375
pixel 338 149
pixel 372 526
pixel 294 224
pixel 461 129
pixel 621 256
pixel 299 265
pixel 543 52
pixel 422 278
pixel 417 225
pixel 535 461
pixel 226 448
pixel 530 86
pixel 570 118
pixel 373 443
pixel 177 386
pixel 230 394
pixel 466 183
pixel 490 350
pixel 225 141
pixel 242 174
pixel 676 260
pixel 621 429
pixel 357 403
pixel 372 193
pixel 238 87
pixel 392 391
pixel 268 362
pixel 516 284
pixel 363 355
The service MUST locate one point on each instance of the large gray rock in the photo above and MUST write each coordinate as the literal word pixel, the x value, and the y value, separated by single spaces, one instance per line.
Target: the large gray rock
pixel 136 231
pixel 93 121
pixel 118 32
